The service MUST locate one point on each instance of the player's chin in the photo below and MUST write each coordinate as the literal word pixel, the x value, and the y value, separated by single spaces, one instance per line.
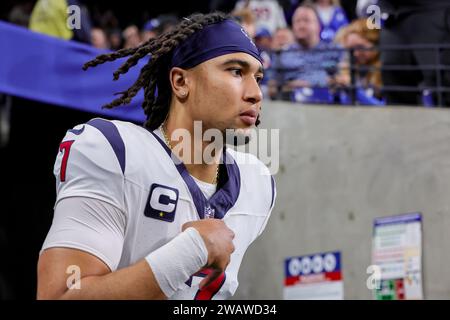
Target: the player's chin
pixel 246 131
pixel 244 128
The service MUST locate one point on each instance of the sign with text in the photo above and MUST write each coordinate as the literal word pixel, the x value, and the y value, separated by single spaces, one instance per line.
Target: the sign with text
pixel 314 277
pixel 397 251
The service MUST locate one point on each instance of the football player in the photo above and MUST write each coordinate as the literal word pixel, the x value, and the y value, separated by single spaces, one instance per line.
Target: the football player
pixel 132 221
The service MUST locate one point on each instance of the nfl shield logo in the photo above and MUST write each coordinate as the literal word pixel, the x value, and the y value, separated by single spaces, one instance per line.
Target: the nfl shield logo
pixel 209 212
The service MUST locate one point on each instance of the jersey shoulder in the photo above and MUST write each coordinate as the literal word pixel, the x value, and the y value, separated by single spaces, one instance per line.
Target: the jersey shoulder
pixel 256 178
pixel 91 162
pixel 250 163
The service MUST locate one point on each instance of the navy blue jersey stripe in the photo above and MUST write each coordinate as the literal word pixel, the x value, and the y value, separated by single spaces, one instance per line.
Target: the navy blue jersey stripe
pixel 273 190
pixel 109 130
pixel 224 198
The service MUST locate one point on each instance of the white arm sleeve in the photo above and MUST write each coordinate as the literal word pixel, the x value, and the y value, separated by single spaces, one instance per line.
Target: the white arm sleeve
pixel 90 225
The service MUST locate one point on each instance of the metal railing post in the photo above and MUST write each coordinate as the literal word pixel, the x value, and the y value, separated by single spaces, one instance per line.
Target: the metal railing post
pixel 438 75
pixel 352 78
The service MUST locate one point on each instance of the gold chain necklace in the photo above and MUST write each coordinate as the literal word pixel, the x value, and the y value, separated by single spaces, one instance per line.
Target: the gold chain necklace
pixel 161 127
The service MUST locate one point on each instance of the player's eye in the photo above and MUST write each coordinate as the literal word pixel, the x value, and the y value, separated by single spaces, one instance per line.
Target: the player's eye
pixel 236 72
pixel 258 79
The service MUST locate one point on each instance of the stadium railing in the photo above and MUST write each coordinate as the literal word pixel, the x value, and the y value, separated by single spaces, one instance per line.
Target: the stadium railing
pixel 355 94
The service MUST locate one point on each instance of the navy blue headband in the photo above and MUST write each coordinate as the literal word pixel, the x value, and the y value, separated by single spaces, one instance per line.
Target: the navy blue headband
pixel 212 41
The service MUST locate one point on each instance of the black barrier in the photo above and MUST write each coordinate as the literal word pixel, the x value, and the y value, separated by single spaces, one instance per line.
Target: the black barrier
pixel 441 70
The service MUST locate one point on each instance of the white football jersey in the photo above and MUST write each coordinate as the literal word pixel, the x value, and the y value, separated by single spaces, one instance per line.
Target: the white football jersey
pixel 131 168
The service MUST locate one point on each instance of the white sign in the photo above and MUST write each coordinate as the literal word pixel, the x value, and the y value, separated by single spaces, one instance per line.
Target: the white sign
pixel 397 251
pixel 314 277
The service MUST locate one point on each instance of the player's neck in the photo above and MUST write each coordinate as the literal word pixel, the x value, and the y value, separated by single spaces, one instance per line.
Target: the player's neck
pixel 200 157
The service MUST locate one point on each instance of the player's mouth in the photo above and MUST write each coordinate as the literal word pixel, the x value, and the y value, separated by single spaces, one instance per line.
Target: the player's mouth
pixel 249 117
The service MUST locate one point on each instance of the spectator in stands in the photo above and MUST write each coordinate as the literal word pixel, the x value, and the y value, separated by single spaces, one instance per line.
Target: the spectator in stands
pixel 149 31
pixel 263 39
pixel 282 39
pixel 331 15
pixel 363 41
pixel 415 22
pixel 20 14
pixel 51 16
pixel 115 39
pixel 131 37
pixel 166 23
pixel 106 20
pixel 156 26
pixel 307 62
pixel 268 13
pixel 99 39
pixel 109 23
pixel 332 18
pixel 246 19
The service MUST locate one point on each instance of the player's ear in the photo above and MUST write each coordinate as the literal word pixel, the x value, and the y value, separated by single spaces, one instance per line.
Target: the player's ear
pixel 178 82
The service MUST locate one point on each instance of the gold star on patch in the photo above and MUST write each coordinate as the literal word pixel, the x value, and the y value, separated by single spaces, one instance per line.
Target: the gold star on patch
pixel 161 214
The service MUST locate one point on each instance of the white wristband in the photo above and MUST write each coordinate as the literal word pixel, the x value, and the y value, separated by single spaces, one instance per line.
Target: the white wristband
pixel 173 263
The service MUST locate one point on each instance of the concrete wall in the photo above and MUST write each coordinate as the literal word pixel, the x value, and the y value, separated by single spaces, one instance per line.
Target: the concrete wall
pixel 340 167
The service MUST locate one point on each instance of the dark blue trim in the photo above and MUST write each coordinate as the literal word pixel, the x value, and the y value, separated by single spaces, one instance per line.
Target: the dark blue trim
pixel 272 180
pixel 401 218
pixel 109 130
pixel 224 198
pixel 77 131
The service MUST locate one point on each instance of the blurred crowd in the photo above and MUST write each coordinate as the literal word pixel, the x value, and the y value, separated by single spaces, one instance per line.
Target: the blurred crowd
pixel 313 50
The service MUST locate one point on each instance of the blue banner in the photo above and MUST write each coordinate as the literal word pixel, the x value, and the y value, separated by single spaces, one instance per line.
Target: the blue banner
pixel 47 69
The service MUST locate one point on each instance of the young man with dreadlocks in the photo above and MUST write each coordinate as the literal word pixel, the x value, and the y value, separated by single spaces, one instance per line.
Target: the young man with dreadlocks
pixel 131 220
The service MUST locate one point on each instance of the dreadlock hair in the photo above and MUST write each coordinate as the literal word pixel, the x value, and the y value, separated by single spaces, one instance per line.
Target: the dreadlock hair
pixel 155 74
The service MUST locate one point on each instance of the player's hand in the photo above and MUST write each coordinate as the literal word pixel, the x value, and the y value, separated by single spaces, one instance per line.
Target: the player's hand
pixel 218 240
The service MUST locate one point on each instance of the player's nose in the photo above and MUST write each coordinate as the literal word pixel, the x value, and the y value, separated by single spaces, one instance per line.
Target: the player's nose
pixel 252 93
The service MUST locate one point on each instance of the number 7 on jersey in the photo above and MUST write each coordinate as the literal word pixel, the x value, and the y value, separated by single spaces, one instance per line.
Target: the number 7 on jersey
pixel 65 148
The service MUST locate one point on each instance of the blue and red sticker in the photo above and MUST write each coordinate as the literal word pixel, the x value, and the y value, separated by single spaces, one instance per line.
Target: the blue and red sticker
pixel 314 268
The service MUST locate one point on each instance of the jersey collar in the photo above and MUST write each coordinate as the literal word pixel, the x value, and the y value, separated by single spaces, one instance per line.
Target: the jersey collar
pixel 223 199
